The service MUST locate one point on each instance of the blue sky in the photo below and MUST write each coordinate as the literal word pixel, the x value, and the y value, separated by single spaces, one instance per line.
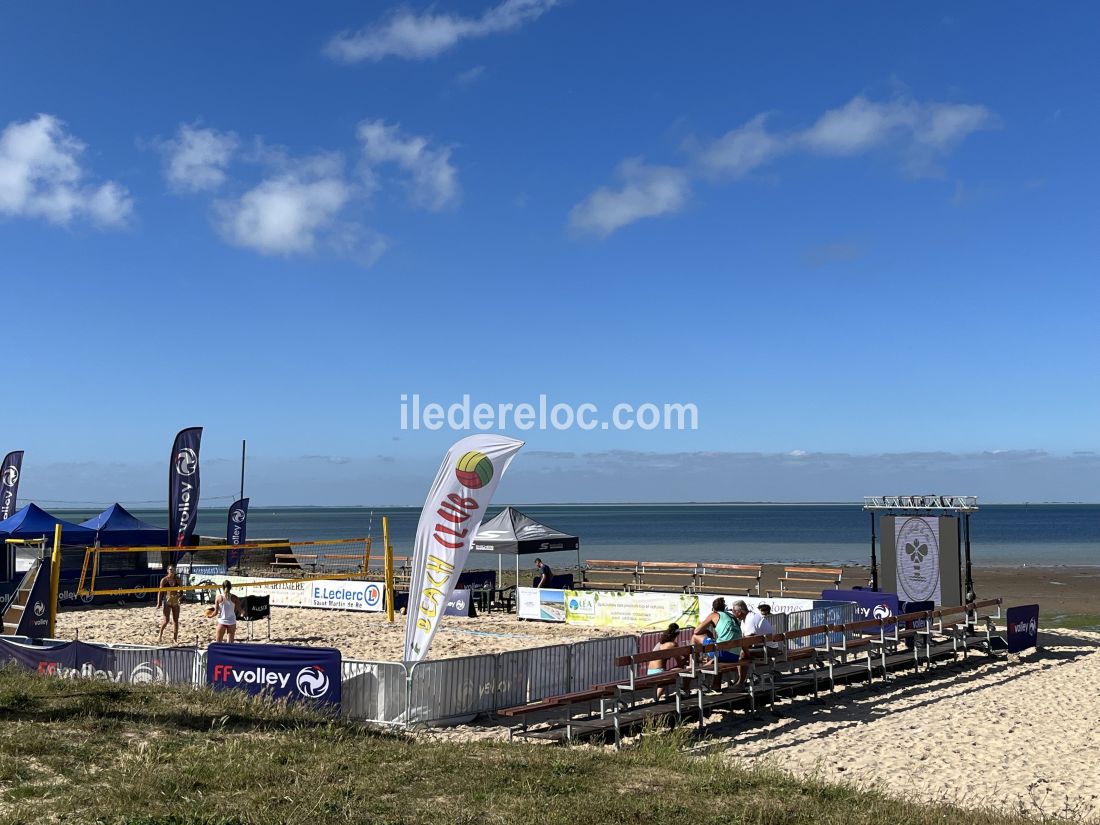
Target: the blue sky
pixel 854 236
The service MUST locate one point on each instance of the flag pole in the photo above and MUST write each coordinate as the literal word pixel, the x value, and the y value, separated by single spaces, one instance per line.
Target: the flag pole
pixel 242 468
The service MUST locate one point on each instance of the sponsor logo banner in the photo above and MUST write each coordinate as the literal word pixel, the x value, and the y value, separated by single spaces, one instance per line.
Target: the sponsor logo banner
pixel 599 608
pixel 236 531
pixel 299 674
pixel 1023 627
pixel 917 549
pixel 344 595
pixel 183 486
pixel 869 604
pixel 10 471
pixel 540 604
pixel 452 513
pixel 284 594
pixel 458 604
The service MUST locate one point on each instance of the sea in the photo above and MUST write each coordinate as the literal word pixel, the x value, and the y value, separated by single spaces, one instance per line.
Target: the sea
pixel 1007 535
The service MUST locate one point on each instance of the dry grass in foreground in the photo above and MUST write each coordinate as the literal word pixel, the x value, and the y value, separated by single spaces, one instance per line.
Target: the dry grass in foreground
pixel 86 751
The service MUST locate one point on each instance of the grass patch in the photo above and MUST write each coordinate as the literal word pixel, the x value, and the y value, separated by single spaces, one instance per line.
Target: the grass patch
pixel 84 751
pixel 1072 621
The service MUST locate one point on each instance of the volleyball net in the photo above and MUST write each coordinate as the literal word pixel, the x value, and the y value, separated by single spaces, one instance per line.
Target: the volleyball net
pixel 274 562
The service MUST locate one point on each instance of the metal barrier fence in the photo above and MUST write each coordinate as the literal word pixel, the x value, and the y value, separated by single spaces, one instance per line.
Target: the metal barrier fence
pixel 454 690
pixel 530 675
pixel 443 690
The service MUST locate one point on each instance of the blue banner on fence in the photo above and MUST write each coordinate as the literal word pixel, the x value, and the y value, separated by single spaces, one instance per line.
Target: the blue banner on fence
pixel 70 659
pixel 1023 627
pixel 300 674
pixel 869 604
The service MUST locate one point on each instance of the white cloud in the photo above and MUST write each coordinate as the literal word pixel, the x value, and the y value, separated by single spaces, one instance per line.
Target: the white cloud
pixel 433 181
pixel 284 215
pixel 41 177
pixel 469 77
pixel 422 36
pixel 647 191
pixel 740 150
pixel 196 160
pixel 920 134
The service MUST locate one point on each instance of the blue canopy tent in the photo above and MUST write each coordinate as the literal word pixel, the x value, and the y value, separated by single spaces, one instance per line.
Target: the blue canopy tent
pixel 32 522
pixel 117 527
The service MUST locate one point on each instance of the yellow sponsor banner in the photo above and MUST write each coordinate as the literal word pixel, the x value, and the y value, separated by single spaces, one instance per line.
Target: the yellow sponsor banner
pixel 634 611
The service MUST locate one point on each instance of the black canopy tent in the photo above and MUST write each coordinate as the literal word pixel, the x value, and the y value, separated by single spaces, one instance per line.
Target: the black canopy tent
pixel 512 533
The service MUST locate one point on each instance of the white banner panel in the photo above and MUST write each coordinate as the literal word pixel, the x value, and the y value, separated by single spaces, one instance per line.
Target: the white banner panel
pixel 778 605
pixel 917 548
pixel 345 595
pixel 453 511
pixel 290 594
pixel 541 604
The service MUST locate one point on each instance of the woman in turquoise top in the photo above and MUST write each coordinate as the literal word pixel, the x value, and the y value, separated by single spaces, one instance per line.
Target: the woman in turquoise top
pixel 717 627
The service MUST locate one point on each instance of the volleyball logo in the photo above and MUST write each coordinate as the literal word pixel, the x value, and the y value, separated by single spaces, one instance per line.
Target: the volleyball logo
pixel 11 476
pixel 187 461
pixel 474 470
pixel 312 682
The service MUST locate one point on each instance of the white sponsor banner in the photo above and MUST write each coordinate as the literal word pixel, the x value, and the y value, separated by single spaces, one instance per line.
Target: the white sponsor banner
pixel 917 545
pixel 288 594
pixel 326 594
pixel 540 604
pixel 777 605
pixel 453 511
pixel 345 595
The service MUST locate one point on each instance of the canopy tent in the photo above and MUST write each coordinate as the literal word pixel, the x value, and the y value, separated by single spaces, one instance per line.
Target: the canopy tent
pixel 32 522
pixel 117 527
pixel 512 533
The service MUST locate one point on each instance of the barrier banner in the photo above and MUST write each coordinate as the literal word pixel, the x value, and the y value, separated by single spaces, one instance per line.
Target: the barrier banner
pixel 1023 627
pixel 869 604
pixel 459 604
pixel 183 487
pixel 9 482
pixel 541 604
pixel 68 661
pixel 236 531
pixel 452 513
pixel 648 610
pixel 344 595
pixel 299 674
pixel 288 594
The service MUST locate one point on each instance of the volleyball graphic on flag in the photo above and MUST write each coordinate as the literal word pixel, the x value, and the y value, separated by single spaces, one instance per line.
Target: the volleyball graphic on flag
pixel 474 470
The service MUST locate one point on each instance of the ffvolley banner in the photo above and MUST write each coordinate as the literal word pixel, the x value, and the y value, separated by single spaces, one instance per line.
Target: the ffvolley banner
pixel 236 531
pixel 9 483
pixel 456 504
pixel 183 485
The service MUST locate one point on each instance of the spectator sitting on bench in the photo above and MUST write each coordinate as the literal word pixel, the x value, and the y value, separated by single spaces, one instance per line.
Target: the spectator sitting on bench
pixel 717 627
pixel 756 624
pixel 667 640
pixel 547 573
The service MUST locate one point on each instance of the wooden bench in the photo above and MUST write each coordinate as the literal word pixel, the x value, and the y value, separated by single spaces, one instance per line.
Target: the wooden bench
pixel 731 578
pixel 745 667
pixel 824 577
pixel 843 640
pixel 564 703
pixel 787 660
pixel 604 574
pixel 667 575
pixel 681 678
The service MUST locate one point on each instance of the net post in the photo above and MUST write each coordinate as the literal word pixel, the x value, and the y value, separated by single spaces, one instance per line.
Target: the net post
pixel 388 567
pixel 55 576
pixel 366 555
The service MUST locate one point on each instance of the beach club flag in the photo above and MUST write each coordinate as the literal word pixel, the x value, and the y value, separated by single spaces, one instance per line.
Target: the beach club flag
pixel 456 503
pixel 183 486
pixel 236 531
pixel 9 482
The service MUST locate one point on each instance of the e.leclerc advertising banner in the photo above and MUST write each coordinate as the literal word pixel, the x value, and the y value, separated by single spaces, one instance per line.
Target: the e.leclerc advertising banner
pixel 299 674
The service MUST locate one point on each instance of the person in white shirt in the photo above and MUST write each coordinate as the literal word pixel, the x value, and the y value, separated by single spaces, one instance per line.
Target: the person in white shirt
pixel 754 624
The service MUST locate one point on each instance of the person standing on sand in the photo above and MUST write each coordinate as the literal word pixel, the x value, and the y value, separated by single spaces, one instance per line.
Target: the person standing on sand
pixel 170 599
pixel 227 608
pixel 547 573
